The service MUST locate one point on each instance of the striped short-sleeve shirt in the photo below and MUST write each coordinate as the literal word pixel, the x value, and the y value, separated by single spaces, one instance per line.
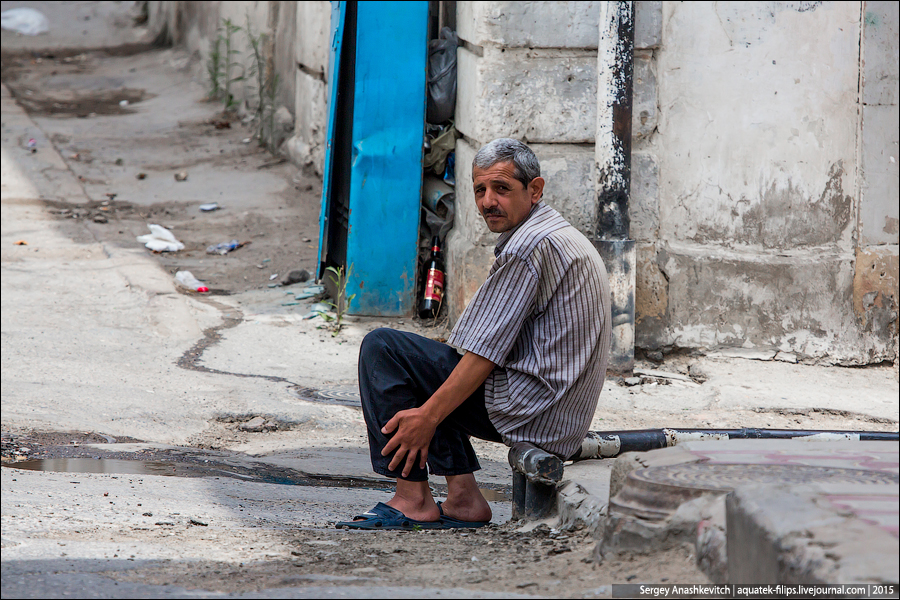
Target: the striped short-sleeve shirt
pixel 543 317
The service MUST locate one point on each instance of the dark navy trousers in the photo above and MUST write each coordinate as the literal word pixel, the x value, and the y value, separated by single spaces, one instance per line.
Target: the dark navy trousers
pixel 399 370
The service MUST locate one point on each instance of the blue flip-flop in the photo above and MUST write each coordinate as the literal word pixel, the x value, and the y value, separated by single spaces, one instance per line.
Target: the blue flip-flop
pixel 449 522
pixel 387 517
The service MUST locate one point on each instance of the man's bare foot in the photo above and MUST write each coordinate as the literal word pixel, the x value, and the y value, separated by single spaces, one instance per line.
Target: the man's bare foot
pixel 418 511
pixel 413 499
pixel 468 509
pixel 464 499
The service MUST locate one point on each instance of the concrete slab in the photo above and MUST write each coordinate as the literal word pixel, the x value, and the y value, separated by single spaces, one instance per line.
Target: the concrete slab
pixel 845 491
pixel 819 533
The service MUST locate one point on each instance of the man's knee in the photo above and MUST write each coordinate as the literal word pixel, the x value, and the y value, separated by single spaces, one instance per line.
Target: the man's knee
pixel 374 344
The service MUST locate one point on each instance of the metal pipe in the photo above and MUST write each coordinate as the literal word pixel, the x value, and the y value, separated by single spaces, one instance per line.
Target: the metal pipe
pixel 609 444
pixel 536 474
pixel 518 492
pixel 612 153
pixel 616 73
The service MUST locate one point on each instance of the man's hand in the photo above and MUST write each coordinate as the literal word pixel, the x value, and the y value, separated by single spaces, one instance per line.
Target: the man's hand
pixel 415 427
pixel 414 430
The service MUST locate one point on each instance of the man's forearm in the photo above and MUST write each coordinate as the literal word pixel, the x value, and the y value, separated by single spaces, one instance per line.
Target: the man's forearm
pixel 469 374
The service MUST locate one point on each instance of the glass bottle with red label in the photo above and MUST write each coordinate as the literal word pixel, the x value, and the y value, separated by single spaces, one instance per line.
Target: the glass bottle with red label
pixel 432 282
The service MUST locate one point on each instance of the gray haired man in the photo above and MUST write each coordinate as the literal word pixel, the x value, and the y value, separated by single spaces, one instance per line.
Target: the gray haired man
pixel 535 339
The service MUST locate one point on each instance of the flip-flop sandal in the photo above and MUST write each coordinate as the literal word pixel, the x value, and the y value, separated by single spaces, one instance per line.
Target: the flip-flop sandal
pixel 449 522
pixel 387 517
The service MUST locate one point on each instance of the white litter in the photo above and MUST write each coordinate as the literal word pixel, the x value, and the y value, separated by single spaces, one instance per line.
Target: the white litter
pixel 160 240
pixel 187 279
pixel 26 21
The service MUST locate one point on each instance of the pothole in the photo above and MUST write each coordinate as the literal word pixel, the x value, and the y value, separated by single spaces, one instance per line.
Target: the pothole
pixel 257 473
pixel 339 395
pixel 81 103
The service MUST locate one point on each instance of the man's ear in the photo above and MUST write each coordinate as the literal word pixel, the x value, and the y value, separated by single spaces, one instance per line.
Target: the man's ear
pixel 536 189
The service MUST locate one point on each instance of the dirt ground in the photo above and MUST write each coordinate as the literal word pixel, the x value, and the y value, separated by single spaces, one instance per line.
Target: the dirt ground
pixel 278 238
pixel 511 558
pixel 542 562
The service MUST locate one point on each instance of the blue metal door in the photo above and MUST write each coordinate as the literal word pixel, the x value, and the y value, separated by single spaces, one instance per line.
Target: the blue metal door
pixel 373 172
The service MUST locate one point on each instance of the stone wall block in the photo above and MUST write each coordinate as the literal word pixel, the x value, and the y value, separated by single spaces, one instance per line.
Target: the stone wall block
pixel 568 172
pixel 643 209
pixel 727 299
pixel 544 24
pixel 644 112
pixel 651 298
pixel 647 24
pixel 307 146
pixel 875 282
pixel 759 148
pixel 533 95
pixel 882 24
pixel 284 14
pixel 468 266
pixel 879 211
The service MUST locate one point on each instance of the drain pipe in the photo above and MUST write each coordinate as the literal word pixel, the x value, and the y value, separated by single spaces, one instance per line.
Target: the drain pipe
pixel 537 473
pixel 612 153
pixel 609 444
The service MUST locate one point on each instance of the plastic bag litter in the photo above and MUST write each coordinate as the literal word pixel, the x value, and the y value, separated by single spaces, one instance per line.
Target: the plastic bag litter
pixel 441 143
pixel 160 240
pixel 438 204
pixel 441 100
pixel 223 248
pixel 26 21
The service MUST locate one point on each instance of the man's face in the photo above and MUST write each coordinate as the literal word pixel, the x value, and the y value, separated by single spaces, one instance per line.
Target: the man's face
pixel 501 198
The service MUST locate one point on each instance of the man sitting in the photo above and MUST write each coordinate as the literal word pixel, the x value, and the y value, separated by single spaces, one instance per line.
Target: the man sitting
pixel 536 337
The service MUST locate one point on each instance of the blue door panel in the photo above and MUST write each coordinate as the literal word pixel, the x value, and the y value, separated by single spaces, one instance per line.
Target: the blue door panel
pixel 385 171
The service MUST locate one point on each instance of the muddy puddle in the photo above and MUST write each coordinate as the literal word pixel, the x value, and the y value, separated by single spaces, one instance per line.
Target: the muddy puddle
pixel 259 474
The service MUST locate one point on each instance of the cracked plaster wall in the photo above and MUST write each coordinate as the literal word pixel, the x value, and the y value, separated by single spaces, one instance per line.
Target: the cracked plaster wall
pixel 758 148
pixel 747 170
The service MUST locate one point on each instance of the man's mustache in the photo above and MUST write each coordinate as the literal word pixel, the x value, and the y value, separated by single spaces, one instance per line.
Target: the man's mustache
pixel 492 212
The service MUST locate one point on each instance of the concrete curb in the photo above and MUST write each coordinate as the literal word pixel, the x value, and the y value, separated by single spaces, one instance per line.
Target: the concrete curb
pixel 840 526
pixel 823 534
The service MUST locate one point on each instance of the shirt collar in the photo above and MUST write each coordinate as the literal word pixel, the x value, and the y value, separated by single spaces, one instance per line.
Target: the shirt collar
pixel 506 235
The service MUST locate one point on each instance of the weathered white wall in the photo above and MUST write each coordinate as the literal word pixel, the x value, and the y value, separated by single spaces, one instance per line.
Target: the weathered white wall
pixel 880 211
pixel 875 294
pixel 757 149
pixel 760 184
pixel 758 126
pixel 312 53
